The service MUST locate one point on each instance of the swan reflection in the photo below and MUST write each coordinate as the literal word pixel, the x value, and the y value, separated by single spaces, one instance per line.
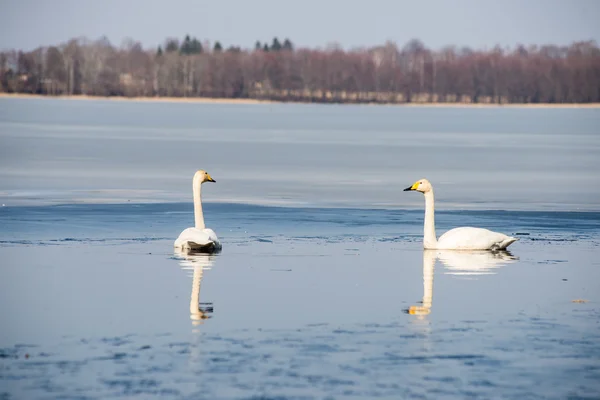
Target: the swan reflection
pixel 197 263
pixel 428 267
pixel 474 262
pixel 457 263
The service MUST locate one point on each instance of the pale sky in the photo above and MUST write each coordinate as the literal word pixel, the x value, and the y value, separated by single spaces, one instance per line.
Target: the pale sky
pixel 27 24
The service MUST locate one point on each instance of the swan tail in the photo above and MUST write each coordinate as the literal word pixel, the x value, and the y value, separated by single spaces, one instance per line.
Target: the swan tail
pixel 209 247
pixel 505 243
pixel 204 246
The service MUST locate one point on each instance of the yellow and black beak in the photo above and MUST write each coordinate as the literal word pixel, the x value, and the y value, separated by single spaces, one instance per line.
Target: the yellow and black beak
pixel 413 187
pixel 209 178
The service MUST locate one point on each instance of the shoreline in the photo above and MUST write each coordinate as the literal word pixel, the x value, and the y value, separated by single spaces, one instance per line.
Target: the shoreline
pixel 208 100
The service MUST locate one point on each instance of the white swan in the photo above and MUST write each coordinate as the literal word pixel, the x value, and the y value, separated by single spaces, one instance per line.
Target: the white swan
pixel 465 238
pixel 198 238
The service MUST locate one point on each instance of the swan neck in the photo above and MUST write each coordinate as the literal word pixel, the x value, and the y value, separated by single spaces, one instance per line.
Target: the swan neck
pixel 198 215
pixel 429 239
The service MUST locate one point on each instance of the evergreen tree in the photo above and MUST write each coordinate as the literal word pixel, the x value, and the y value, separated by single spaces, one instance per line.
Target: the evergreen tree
pixel 276 46
pixel 257 46
pixel 218 48
pixel 159 52
pixel 186 45
pixel 287 45
pixel 172 45
pixel 195 46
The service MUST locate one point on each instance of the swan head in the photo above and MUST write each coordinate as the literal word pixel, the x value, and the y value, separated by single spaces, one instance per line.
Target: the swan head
pixel 202 176
pixel 422 185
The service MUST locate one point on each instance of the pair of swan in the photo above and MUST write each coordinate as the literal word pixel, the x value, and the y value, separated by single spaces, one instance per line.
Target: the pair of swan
pixel 201 238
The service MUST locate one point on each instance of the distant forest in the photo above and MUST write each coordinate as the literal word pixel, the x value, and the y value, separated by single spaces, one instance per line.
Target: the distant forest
pixel 278 71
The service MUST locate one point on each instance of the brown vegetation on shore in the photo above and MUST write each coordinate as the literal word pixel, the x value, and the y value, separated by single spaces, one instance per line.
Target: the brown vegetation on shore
pixel 385 74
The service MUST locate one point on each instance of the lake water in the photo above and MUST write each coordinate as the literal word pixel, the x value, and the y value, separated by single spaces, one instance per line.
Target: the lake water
pixel 322 255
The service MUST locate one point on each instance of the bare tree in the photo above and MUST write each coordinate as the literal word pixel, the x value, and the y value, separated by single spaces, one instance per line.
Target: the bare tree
pixel 278 71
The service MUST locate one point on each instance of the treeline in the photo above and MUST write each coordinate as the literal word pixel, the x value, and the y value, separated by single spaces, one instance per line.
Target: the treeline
pixel 276 70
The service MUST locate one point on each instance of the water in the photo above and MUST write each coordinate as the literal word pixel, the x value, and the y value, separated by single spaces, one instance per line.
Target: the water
pixel 331 296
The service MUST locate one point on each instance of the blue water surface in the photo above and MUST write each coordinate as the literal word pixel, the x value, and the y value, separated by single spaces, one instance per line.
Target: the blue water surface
pixel 301 303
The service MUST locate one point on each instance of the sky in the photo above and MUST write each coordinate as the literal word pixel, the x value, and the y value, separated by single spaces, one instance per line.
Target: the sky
pixel 480 24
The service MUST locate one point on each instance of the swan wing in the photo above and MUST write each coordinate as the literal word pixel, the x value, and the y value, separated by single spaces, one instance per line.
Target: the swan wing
pixel 197 239
pixel 469 238
pixel 213 237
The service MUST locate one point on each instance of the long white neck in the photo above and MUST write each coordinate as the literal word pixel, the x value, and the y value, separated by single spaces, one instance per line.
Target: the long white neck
pixel 429 239
pixel 198 216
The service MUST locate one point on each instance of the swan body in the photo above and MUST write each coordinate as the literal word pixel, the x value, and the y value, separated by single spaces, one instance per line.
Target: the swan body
pixel 469 238
pixel 464 238
pixel 198 238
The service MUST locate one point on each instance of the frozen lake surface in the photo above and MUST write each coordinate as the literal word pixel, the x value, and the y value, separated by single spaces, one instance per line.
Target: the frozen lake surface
pixel 65 151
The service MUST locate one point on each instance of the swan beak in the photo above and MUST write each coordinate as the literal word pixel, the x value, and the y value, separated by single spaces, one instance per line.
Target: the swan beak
pixel 209 178
pixel 413 187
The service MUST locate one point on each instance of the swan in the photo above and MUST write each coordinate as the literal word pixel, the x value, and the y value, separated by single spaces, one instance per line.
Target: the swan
pixel 198 238
pixel 464 238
